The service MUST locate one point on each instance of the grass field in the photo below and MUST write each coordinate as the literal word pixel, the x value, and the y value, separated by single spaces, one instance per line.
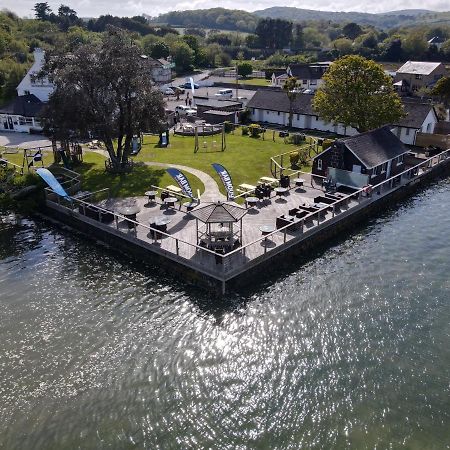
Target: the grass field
pixel 255 81
pixel 247 159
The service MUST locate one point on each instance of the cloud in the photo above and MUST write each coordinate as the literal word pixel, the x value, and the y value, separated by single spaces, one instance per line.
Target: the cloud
pixel 94 8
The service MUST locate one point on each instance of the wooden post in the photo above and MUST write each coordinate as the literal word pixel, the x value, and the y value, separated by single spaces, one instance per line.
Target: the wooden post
pixel 176 245
pixel 265 245
pixel 284 237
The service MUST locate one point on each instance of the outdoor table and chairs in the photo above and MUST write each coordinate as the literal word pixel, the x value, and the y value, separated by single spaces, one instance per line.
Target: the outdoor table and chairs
pixel 246 188
pixel 159 223
pixel 190 205
pixel 251 202
pixel 299 182
pixel 129 212
pixel 281 191
pixel 266 229
pixel 173 189
pixel 151 196
pixel 170 202
pixel 268 180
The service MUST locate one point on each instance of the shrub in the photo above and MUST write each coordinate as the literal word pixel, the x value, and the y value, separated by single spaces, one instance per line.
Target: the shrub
pixel 255 130
pixel 297 138
pixel 244 131
pixel 293 158
pixel 228 126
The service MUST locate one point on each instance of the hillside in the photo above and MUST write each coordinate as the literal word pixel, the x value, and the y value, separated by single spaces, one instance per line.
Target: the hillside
pixel 215 18
pixel 382 20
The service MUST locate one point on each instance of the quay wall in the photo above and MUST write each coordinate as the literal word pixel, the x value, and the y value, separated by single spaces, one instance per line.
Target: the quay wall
pixel 291 252
pixel 165 262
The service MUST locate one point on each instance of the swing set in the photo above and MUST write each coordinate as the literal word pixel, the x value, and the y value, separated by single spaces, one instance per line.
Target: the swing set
pixel 208 137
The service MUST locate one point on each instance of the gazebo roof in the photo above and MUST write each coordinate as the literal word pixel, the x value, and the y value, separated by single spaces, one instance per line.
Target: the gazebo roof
pixel 219 213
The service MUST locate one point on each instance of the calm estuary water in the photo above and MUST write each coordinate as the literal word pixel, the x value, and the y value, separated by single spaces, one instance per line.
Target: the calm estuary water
pixel 349 350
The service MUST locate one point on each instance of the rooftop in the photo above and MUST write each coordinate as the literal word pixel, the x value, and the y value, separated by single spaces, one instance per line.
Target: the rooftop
pixel 419 67
pixel 416 114
pixel 25 105
pixel 375 147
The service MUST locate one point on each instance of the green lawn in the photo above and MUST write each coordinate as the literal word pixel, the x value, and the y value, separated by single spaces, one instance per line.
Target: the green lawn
pixel 255 81
pixel 247 159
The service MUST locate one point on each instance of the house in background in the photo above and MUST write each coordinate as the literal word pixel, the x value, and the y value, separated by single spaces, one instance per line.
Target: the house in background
pixel 160 69
pixel 415 75
pixel 365 159
pixel 273 107
pixel 309 76
pixel 420 117
pixel 32 83
pixel 436 41
pixel 21 114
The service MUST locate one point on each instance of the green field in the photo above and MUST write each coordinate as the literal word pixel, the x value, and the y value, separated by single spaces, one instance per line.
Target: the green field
pixel 247 159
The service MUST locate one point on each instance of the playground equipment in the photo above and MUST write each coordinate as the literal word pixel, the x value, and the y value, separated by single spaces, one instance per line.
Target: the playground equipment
pixel 69 153
pixel 163 139
pixel 208 137
pixel 32 157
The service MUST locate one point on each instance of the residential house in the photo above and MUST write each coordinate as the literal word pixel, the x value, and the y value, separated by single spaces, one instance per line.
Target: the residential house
pixel 362 160
pixel 160 69
pixel 21 114
pixel 415 75
pixel 34 84
pixel 436 41
pixel 420 117
pixel 309 76
pixel 272 107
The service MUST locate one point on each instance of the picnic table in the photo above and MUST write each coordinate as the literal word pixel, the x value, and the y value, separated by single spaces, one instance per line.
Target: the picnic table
pixel 170 202
pixel 268 180
pixel 151 196
pixel 299 182
pixel 281 191
pixel 247 187
pixel 129 211
pixel 174 189
pixel 251 201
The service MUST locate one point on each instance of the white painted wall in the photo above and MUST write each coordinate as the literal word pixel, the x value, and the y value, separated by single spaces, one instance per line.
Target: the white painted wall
pixel 41 88
pixel 429 123
pixel 300 121
pixel 20 124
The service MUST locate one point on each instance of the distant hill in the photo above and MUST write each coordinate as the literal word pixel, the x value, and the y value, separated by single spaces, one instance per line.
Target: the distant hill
pixel 382 20
pixel 237 20
pixel 215 18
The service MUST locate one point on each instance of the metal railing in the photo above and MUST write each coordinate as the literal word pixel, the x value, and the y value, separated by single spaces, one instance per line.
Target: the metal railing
pixel 9 164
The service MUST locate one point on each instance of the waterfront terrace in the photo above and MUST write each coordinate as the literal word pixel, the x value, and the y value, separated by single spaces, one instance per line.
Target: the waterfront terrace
pixel 302 215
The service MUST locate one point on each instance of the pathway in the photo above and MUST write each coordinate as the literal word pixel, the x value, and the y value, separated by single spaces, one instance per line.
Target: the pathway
pixel 212 192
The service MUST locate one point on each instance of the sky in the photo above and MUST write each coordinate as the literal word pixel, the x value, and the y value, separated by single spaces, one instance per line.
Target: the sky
pixel 95 8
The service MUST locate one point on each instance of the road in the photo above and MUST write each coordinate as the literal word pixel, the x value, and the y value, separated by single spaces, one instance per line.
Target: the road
pixel 22 140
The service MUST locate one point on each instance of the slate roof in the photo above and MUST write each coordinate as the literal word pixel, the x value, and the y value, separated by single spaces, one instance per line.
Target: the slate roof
pixel 25 105
pixel 307 72
pixel 416 114
pixel 277 100
pixel 212 103
pixel 375 147
pixel 418 67
pixel 219 213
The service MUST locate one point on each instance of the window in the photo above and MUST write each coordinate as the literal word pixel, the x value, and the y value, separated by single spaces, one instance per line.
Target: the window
pixel 399 160
pixel 319 164
pixel 305 81
pixel 298 116
pixel 26 92
pixel 313 82
pixel 253 110
pixel 278 112
pixel 384 167
pixel 267 112
pixel 418 77
pixel 407 132
pixel 29 121
pixel 317 118
pixel 21 120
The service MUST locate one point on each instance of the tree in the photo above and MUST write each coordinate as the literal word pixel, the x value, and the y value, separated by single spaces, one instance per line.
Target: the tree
pixel 42 11
pixel 352 30
pixel 183 56
pixel 159 50
pixel 244 69
pixel 343 46
pixel 442 90
pixel 103 89
pixel 291 87
pixel 67 17
pixel 415 45
pixel 357 93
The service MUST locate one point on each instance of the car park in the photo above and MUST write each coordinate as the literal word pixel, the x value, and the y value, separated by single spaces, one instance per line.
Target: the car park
pixel 183 111
pixel 187 85
pixel 224 93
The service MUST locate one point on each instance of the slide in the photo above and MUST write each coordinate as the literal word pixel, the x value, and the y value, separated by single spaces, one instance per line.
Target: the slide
pixel 164 140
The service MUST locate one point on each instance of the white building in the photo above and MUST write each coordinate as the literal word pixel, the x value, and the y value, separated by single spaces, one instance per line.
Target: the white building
pixel 32 83
pixel 21 114
pixel 272 107
pixel 160 69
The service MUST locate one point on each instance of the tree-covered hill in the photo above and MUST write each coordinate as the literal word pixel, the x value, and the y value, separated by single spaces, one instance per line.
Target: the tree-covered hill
pixel 215 18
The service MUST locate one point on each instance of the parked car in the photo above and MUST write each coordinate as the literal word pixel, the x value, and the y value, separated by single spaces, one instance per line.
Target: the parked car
pixel 169 91
pixel 177 89
pixel 183 111
pixel 224 93
pixel 187 85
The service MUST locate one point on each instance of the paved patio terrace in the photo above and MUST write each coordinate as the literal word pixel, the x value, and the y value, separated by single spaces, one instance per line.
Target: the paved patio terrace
pixel 182 239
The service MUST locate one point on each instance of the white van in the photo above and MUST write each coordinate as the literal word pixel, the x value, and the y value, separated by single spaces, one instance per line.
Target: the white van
pixel 183 110
pixel 225 93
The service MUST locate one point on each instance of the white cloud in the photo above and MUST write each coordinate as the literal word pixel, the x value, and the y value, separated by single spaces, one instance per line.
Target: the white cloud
pixel 94 8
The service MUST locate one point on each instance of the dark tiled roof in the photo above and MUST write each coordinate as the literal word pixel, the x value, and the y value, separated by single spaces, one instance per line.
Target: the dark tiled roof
pixel 219 213
pixel 278 101
pixel 416 114
pixel 305 72
pixel 375 147
pixel 26 105
pixel 219 113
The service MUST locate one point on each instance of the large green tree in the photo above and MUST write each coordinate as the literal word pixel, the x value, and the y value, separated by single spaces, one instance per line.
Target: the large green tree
pixel 292 89
pixel 357 93
pixel 442 90
pixel 103 89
